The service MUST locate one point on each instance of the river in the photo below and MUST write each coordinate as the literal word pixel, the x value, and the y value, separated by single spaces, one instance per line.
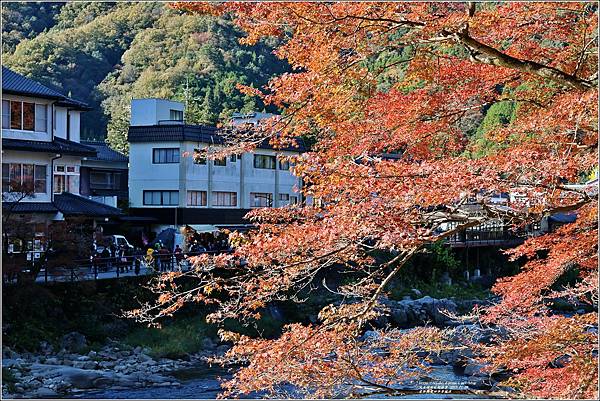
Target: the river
pixel 203 383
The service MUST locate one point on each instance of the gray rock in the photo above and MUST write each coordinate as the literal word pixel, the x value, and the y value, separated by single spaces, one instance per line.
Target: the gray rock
pixel 73 342
pixel 46 348
pixel 398 316
pixel 45 392
pixel 103 382
pixel 370 335
pixel 107 364
pixel 475 369
pixel 90 365
pixel 11 363
pixel 145 358
pixel 80 378
pixel 62 387
pixel 52 361
pixel 441 309
pixel 19 389
pixel 155 378
pixel 425 301
pixel 208 343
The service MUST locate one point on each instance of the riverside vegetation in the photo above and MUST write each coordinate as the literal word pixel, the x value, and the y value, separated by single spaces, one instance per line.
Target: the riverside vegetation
pixel 74 339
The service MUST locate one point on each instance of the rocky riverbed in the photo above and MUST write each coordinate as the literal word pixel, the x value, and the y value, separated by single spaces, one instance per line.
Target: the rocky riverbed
pixel 115 366
pixel 117 369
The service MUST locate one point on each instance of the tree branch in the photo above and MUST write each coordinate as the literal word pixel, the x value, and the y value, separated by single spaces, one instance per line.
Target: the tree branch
pixel 485 54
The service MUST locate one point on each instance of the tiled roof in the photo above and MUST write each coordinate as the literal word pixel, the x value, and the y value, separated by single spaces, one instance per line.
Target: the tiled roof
pixel 70 204
pixel 30 207
pixel 15 83
pixel 58 145
pixel 193 133
pixel 104 152
pixel 66 203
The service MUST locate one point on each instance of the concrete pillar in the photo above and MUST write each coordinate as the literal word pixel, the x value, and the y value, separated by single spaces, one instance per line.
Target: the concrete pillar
pixel 209 167
pixel 242 192
pixel 183 163
pixel 276 191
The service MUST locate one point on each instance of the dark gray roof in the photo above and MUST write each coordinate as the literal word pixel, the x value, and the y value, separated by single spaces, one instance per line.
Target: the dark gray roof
pixel 185 132
pixel 66 203
pixel 18 84
pixel 70 204
pixel 58 145
pixel 104 152
pixel 30 207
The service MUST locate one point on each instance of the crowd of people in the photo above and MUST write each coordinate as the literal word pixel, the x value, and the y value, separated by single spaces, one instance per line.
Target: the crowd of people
pixel 158 256
pixel 123 259
pixel 206 242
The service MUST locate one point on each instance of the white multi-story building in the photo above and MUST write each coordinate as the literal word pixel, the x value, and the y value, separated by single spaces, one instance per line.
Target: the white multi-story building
pixel 42 154
pixel 167 183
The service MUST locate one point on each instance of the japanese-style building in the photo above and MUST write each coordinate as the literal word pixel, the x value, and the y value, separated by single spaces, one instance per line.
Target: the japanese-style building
pixel 43 161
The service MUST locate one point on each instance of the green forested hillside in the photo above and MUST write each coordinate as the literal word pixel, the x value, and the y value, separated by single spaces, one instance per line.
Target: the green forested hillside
pixel 107 53
pixel 25 20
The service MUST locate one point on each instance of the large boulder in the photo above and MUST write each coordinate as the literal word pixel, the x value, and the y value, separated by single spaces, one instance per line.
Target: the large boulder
pixel 73 342
pixel 441 311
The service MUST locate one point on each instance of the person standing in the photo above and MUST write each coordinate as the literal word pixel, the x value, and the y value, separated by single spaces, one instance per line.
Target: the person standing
pixel 151 259
pixel 105 257
pixel 178 252
pixel 164 259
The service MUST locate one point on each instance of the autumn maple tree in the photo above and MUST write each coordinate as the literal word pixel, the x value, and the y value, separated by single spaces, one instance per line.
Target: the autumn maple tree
pixel 392 166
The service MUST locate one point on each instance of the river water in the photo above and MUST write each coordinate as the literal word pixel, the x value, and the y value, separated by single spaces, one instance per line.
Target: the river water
pixel 203 383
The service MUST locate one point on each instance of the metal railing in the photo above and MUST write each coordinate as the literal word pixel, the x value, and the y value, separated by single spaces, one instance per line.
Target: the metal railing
pixel 97 268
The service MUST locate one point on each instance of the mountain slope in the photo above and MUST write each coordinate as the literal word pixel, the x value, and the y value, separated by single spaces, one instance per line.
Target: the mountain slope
pixel 107 53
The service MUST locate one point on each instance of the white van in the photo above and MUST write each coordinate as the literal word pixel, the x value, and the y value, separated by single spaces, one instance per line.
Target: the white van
pixel 117 240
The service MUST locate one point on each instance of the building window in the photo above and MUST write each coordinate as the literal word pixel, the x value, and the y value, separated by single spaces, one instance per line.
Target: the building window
pixel 224 199
pixel 176 115
pixel 105 180
pixel 60 184
pixel 220 162
pixel 16 115
pixel 24 116
pixel 39 177
pixel 196 198
pixel 5 114
pixel 66 179
pixel 5 178
pixel 264 161
pixel 284 165
pixel 161 198
pixel 41 116
pixel 28 116
pixel 165 155
pixel 23 178
pixel 284 197
pixel 233 158
pixel 258 199
pixel 293 200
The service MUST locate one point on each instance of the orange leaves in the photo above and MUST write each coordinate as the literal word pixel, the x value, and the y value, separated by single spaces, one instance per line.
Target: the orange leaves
pixel 391 94
pixel 322 363
pixel 554 357
pixel 164 298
